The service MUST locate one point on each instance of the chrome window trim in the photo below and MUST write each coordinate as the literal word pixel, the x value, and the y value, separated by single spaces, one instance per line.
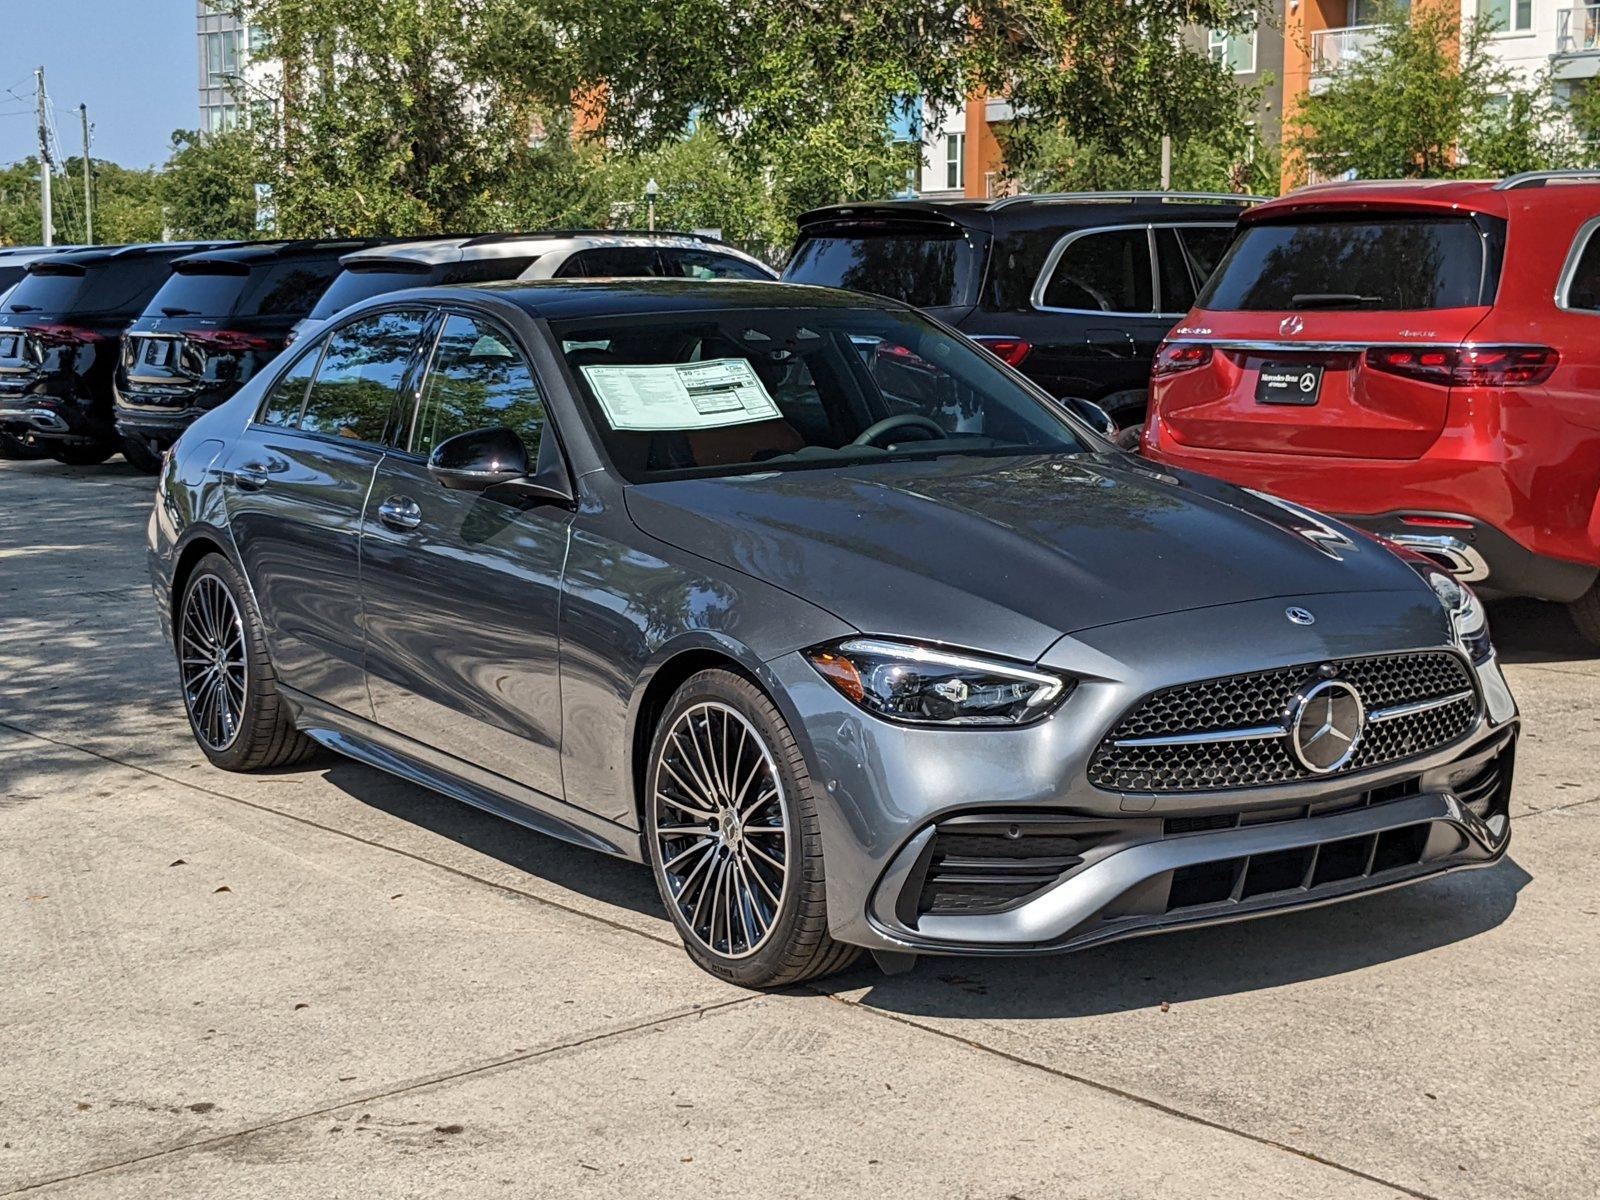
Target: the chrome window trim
pixel 1580 243
pixel 1053 259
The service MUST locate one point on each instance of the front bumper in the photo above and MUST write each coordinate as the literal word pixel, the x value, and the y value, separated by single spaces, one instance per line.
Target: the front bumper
pixel 886 794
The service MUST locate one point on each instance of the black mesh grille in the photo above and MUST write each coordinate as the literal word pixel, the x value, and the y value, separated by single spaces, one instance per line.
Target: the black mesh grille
pixel 1262 699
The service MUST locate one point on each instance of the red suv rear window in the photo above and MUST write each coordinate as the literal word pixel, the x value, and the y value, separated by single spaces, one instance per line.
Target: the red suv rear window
pixel 1366 263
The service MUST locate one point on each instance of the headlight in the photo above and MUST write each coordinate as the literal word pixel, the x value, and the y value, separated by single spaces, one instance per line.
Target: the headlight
pixel 923 686
pixel 1467 615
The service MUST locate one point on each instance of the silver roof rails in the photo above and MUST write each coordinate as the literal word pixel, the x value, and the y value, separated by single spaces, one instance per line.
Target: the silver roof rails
pixel 1540 178
pixel 1089 197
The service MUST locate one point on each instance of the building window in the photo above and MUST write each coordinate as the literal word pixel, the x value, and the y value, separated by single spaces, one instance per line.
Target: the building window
pixel 1236 51
pixel 1507 16
pixel 955 159
pixel 222 56
pixel 219 118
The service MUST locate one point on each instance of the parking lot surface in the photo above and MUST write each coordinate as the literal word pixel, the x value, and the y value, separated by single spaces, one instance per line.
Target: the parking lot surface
pixel 327 982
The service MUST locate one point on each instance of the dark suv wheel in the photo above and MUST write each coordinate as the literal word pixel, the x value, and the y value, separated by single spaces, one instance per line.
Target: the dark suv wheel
pixel 229 688
pixel 731 834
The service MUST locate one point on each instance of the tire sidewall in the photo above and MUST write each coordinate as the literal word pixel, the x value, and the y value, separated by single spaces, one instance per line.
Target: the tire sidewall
pixel 751 703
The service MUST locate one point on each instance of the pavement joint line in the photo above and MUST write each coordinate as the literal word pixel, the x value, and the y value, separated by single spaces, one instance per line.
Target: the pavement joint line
pixel 1133 1097
pixel 376 845
pixel 1554 808
pixel 670 1017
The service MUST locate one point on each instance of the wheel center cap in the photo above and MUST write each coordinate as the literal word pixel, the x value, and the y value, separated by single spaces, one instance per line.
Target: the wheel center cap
pixel 730 829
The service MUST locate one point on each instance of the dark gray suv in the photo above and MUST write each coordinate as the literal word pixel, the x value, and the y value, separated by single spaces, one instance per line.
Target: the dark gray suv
pixel 824 613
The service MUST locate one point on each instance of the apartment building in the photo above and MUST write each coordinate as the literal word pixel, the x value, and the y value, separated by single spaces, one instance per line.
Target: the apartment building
pixel 227 69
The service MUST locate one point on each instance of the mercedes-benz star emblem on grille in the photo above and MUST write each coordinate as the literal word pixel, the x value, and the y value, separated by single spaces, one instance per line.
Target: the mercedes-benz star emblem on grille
pixel 1326 722
pixel 1290 326
pixel 1300 616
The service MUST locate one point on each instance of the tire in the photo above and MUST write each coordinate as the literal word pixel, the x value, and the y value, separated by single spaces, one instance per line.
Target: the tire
pixel 14 449
pixel 736 865
pixel 139 455
pixel 1585 612
pixel 236 714
pixel 83 454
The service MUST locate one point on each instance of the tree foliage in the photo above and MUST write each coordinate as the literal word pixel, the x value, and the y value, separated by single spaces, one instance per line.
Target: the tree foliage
pixel 127 203
pixel 1429 99
pixel 208 185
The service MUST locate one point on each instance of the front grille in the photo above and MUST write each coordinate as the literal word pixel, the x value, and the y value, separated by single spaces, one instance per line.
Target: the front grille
pixel 1248 713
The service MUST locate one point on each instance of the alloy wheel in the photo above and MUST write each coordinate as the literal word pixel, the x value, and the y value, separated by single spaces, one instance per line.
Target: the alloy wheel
pixel 720 824
pixel 213 662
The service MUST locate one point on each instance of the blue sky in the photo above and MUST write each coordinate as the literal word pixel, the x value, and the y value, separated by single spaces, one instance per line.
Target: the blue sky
pixel 131 61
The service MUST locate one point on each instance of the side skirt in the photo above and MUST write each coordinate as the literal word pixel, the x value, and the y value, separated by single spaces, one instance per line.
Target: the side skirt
pixel 360 739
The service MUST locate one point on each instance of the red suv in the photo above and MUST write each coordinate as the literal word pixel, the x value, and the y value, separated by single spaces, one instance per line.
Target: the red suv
pixel 1420 358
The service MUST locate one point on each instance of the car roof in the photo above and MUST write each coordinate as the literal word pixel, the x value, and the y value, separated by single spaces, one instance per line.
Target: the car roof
pixel 1496 197
pixel 93 256
pixel 434 251
pixel 253 253
pixel 561 299
pixel 1042 211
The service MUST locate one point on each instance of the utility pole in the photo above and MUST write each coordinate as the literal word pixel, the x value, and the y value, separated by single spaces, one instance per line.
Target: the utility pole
pixel 88 198
pixel 49 238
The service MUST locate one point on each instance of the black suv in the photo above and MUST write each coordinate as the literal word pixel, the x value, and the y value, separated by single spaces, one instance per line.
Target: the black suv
pixel 218 319
pixel 1076 291
pixel 60 329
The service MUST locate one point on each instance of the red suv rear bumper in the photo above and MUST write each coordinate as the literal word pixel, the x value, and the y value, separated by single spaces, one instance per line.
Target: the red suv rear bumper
pixel 1534 522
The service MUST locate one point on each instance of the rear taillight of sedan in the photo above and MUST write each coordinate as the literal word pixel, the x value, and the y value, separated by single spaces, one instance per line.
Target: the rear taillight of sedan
pixel 1174 358
pixel 1466 366
pixel 1009 350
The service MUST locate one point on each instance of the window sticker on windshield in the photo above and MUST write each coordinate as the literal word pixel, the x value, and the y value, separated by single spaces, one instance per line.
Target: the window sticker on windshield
pixel 700 395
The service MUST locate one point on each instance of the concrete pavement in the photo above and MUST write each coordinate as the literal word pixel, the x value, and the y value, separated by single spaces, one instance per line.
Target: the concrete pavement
pixel 326 982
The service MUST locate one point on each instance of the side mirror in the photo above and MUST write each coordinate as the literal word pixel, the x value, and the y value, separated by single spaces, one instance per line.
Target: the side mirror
pixel 481 459
pixel 1092 415
pixel 478 459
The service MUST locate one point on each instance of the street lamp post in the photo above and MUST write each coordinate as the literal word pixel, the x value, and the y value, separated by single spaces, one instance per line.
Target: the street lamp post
pixel 652 189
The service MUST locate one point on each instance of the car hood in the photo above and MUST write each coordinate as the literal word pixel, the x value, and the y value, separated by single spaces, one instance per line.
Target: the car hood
pixel 1009 554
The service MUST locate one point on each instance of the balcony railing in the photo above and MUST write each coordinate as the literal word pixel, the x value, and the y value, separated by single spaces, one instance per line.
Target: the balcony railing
pixel 1578 29
pixel 1334 49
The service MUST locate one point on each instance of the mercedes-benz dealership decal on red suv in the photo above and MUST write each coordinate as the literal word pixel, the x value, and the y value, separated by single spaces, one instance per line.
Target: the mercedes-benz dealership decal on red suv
pixel 1421 358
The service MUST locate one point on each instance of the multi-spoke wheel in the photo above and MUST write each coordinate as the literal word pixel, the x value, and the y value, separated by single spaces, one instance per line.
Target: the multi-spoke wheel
pixel 731 831
pixel 213 661
pixel 229 688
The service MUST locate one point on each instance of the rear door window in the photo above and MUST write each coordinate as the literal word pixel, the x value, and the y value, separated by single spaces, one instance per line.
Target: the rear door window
pixel 1105 271
pixel 288 395
pixel 486 270
pixel 477 379
pixel 1399 263
pixel 924 268
pixel 1583 288
pixel 353 394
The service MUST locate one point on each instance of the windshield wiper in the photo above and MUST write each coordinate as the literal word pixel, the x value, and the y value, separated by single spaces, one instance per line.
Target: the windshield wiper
pixel 24 307
pixel 1331 300
pixel 180 312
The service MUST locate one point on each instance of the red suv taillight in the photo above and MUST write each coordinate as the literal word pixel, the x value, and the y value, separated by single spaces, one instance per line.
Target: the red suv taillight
pixel 63 335
pixel 1467 366
pixel 1173 358
pixel 1008 350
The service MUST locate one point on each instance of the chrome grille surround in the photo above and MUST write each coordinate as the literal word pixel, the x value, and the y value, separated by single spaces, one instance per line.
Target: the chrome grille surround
pixel 1231 732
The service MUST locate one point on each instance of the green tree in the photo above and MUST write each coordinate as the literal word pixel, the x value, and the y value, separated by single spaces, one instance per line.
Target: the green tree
pixel 1429 99
pixel 208 184
pixel 127 205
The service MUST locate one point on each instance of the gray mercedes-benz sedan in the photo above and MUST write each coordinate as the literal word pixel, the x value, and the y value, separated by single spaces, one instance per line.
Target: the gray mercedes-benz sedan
pixel 826 614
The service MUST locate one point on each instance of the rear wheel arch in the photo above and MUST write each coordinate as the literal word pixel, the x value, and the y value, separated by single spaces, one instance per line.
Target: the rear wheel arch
pixel 195 549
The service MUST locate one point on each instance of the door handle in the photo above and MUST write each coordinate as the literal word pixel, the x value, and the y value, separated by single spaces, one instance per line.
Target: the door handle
pixel 250 477
pixel 400 512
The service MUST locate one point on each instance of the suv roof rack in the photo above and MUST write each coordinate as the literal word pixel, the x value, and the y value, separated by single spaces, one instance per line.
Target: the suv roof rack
pixel 1089 197
pixel 1539 178
pixel 485 239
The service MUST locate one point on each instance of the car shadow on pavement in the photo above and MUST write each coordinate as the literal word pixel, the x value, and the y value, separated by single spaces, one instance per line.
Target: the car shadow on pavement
pixel 1534 631
pixel 588 872
pixel 1198 964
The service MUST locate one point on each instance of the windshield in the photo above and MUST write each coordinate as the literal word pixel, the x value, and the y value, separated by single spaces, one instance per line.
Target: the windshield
pixel 781 390
pixel 352 286
pixel 923 268
pixel 1368 263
